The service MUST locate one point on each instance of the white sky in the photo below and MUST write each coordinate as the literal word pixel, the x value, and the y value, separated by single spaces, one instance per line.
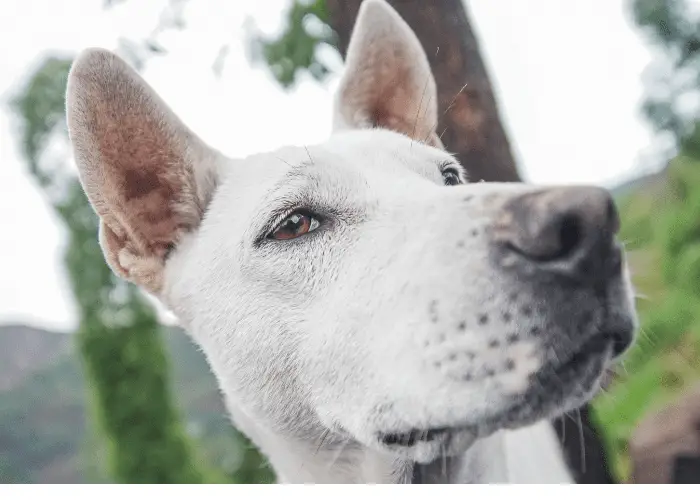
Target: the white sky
pixel 567 77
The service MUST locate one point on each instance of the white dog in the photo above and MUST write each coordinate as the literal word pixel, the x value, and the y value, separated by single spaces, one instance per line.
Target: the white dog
pixel 369 316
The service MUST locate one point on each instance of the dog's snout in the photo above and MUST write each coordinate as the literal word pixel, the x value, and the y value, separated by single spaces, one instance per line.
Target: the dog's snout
pixel 572 227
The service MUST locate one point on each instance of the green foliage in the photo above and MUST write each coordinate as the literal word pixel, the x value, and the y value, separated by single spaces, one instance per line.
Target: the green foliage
pixel 688 269
pixel 119 336
pixel 673 27
pixel 296 48
pixel 637 230
pixel 662 327
pixel 665 261
pixel 679 227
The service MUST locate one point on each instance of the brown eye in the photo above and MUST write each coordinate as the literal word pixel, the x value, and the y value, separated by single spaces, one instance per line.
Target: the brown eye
pixel 297 224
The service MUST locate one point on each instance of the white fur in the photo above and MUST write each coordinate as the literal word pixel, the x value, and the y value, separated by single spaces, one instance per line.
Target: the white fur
pixel 393 315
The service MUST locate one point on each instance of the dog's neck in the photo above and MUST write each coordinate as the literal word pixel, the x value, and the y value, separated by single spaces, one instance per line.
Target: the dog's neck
pixel 530 455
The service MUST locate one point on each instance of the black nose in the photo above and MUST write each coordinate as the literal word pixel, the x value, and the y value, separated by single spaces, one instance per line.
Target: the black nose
pixel 571 229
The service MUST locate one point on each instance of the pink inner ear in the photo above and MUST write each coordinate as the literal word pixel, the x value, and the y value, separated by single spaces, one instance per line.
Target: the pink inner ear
pixel 388 81
pixel 136 162
pixel 394 101
pixel 145 175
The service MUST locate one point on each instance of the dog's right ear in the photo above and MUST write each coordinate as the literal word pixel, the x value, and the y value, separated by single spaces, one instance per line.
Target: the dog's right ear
pixel 148 177
pixel 387 81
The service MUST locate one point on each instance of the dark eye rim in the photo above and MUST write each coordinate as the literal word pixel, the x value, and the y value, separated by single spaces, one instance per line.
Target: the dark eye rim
pixel 278 221
pixel 451 173
pixel 451 170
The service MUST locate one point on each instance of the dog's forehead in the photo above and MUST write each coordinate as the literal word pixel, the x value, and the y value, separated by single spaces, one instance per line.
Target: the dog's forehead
pixel 369 154
pixel 379 150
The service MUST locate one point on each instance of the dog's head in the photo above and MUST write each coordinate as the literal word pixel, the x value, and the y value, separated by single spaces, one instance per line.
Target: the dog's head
pixel 361 286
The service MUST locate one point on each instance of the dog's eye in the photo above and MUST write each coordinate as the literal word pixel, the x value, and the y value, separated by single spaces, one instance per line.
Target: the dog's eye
pixel 297 224
pixel 451 177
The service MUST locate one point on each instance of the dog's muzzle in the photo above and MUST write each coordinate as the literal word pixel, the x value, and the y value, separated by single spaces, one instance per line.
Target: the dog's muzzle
pixel 566 234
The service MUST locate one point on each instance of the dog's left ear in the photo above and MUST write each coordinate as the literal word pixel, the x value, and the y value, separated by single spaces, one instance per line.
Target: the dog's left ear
pixel 148 177
pixel 387 82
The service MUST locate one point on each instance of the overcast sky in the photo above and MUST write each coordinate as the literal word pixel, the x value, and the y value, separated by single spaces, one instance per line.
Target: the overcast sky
pixel 567 77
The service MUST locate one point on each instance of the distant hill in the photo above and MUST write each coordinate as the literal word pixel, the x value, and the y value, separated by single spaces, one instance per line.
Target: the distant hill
pixel 650 182
pixel 44 436
pixel 24 350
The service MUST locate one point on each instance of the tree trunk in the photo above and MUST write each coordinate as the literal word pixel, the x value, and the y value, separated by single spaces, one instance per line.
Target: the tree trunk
pixel 471 128
pixel 469 121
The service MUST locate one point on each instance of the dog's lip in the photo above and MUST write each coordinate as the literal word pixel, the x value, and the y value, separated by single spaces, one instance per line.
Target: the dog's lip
pixel 581 370
pixel 441 436
pixel 413 436
pixel 593 347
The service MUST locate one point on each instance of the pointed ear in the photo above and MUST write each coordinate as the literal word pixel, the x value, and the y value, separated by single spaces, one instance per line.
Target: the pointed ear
pixel 148 177
pixel 387 81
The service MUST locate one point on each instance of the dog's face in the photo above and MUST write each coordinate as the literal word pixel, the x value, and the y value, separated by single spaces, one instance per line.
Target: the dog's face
pixel 359 288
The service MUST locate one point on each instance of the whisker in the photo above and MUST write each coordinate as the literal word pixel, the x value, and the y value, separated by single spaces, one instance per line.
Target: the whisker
pixel 284 161
pixel 646 336
pixel 338 453
pixel 624 367
pixel 307 152
pixel 425 139
pixel 582 441
pixel 570 416
pixel 443 452
pixel 420 105
pixel 563 428
pixel 630 241
pixel 324 435
pixel 454 99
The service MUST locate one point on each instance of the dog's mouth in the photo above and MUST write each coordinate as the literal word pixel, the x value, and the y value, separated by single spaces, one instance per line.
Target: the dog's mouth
pixel 427 445
pixel 413 436
pixel 577 366
pixel 575 375
pixel 554 389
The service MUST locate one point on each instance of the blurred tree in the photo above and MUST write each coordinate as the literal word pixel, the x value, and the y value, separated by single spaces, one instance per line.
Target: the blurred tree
pixel 118 336
pixel 672 104
pixel 296 48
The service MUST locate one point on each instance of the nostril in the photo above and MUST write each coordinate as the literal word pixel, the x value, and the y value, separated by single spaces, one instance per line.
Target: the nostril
pixel 613 218
pixel 555 241
pixel 570 236
pixel 559 225
pixel 621 342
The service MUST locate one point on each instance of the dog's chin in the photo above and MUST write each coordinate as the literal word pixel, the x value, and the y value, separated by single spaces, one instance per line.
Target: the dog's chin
pixel 555 389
